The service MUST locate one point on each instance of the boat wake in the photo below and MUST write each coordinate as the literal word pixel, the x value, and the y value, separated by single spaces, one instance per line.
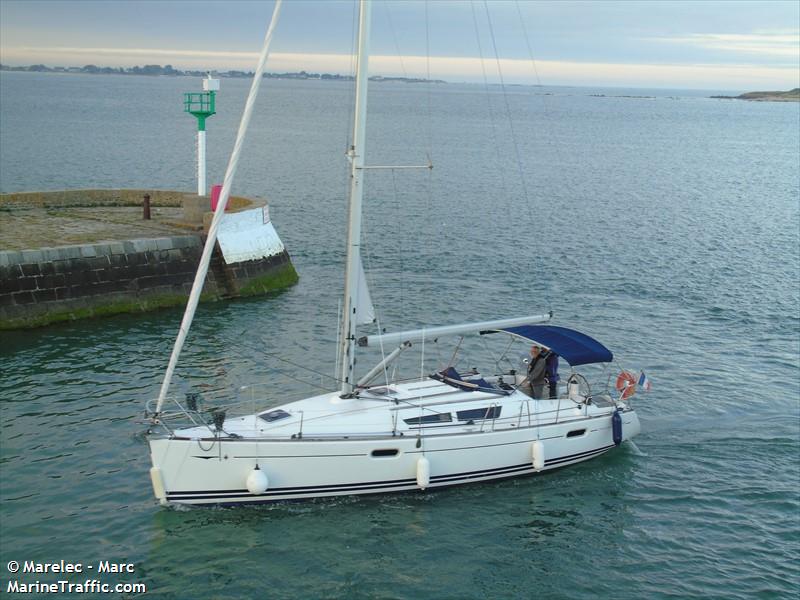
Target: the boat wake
pixel 635 449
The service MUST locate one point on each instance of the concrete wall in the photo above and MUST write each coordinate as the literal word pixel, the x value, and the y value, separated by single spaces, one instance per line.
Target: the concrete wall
pixel 47 285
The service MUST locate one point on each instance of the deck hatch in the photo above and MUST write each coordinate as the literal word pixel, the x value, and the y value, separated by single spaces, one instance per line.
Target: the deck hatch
pixel 274 415
pixel 380 391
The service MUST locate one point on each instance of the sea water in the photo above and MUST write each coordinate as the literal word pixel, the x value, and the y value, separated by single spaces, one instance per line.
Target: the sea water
pixel 664 223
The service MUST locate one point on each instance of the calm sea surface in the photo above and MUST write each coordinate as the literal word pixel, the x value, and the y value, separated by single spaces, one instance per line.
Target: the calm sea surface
pixel 666 225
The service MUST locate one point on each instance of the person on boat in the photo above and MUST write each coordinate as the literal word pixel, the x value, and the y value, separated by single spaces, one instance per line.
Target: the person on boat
pixel 537 372
pixel 551 372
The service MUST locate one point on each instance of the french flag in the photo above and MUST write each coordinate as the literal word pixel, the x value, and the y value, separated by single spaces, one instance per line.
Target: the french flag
pixel 644 382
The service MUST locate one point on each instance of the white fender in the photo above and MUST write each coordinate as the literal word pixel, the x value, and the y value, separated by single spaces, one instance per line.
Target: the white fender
pixel 158 485
pixel 257 482
pixel 537 452
pixel 423 472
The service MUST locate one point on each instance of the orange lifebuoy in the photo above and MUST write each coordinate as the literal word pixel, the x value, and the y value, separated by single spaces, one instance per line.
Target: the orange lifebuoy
pixel 626 384
pixel 625 379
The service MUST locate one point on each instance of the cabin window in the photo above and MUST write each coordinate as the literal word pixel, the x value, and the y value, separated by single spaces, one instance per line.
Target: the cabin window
pixel 274 415
pixel 576 433
pixel 490 412
pixel 437 418
pixel 385 452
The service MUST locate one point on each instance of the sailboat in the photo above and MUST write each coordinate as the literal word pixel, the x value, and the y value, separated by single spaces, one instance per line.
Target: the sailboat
pixel 442 429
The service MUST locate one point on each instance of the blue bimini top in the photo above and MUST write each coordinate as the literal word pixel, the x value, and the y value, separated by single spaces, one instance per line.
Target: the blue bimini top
pixel 573 346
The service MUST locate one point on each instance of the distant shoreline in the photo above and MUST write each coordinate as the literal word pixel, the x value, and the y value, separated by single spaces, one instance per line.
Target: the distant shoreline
pixel 169 71
pixel 790 96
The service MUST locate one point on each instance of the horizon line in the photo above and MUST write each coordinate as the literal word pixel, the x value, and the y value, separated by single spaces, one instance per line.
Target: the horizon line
pixel 468 70
pixel 339 76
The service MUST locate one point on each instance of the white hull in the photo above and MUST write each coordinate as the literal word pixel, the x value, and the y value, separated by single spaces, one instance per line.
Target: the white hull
pixel 214 470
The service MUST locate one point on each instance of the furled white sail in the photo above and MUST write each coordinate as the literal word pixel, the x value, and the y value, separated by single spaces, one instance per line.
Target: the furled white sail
pixel 365 311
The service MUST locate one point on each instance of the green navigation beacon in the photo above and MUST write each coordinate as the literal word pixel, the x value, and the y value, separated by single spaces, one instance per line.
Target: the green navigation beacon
pixel 202 106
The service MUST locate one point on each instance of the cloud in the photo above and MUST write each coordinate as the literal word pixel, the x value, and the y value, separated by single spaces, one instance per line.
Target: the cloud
pixel 782 43
pixel 120 56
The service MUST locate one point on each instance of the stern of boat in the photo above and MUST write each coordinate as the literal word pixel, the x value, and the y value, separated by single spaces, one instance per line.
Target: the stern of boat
pixel 630 424
pixel 158 447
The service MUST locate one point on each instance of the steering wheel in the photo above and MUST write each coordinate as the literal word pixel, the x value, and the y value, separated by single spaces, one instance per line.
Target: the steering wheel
pixel 584 389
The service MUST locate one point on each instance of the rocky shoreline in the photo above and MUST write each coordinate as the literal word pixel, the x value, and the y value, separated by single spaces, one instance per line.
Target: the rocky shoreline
pixel 790 96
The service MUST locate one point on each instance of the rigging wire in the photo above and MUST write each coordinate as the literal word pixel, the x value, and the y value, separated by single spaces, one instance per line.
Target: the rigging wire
pixel 552 142
pixel 429 143
pixel 421 378
pixel 455 351
pixel 439 362
pixel 491 354
pixel 504 356
pixel 490 111
pixel 367 247
pixel 514 136
pixel 395 195
pixel 545 102
pixel 394 40
pixel 422 369
pixel 304 368
pixel 400 254
pixel 428 84
pixel 512 130
pixel 338 333
pixel 348 123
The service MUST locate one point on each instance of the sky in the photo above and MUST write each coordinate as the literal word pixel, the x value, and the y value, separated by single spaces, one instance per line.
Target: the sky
pixel 687 44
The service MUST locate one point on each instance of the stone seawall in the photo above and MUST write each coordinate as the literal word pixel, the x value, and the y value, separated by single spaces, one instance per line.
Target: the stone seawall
pixel 47 285
pixel 96 254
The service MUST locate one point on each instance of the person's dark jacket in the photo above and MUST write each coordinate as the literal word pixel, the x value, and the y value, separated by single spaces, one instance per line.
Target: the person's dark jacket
pixel 551 364
pixel 537 370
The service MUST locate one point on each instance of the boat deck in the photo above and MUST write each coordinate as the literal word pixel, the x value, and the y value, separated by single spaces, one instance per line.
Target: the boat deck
pixel 428 407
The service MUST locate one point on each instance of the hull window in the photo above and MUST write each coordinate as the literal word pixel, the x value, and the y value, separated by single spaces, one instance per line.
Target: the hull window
pixel 437 418
pixel 491 412
pixel 576 433
pixel 385 452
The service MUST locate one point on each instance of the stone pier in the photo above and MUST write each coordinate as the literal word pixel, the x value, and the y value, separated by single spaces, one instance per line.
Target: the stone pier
pixel 42 285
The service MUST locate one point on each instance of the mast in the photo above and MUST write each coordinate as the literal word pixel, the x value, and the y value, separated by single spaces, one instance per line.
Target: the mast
pixel 347 340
